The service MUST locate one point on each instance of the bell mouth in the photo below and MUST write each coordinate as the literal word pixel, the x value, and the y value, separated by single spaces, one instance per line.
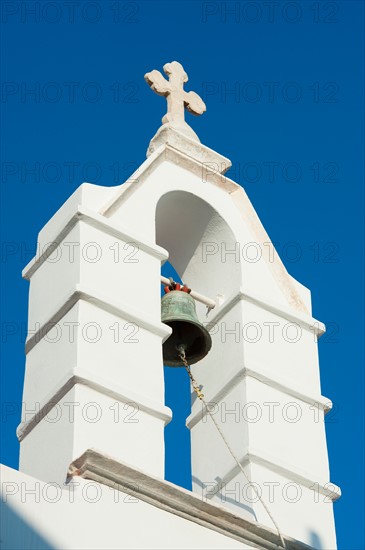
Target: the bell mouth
pixel 194 338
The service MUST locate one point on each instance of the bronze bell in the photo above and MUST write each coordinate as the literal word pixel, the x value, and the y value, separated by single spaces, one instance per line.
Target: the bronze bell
pixel 178 312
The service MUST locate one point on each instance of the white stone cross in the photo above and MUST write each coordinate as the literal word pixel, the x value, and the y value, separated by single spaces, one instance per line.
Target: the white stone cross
pixel 173 90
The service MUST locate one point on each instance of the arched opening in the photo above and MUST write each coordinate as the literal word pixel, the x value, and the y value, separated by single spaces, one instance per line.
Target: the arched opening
pixel 193 233
pixel 177 397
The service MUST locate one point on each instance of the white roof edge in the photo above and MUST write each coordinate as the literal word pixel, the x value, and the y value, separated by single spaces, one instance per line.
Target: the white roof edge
pixel 106 470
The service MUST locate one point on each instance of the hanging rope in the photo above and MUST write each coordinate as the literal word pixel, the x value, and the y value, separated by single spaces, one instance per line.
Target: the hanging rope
pixel 200 395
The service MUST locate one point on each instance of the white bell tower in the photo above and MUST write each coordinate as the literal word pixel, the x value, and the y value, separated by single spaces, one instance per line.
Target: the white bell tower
pixel 94 368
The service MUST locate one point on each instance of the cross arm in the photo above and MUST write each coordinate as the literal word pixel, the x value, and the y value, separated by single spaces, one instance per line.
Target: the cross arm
pixel 157 82
pixel 194 103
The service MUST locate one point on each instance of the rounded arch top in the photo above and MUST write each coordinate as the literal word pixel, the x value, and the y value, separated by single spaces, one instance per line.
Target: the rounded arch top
pixel 195 234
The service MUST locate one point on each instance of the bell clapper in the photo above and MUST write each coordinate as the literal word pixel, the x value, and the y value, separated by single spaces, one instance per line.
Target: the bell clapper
pixel 194 383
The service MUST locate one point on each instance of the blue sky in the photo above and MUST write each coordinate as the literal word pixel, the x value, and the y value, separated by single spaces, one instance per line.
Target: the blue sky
pixel 284 90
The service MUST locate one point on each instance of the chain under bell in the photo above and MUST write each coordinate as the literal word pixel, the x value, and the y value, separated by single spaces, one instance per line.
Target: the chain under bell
pixel 178 311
